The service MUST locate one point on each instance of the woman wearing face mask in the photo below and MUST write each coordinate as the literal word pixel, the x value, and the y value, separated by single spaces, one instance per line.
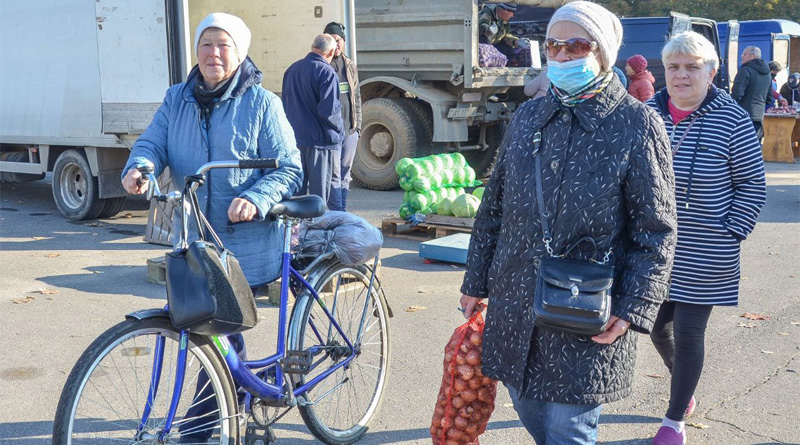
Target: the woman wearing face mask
pixel 606 172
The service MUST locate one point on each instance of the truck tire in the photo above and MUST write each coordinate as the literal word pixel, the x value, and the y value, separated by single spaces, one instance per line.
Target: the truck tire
pixel 390 131
pixel 482 161
pixel 424 116
pixel 112 207
pixel 75 190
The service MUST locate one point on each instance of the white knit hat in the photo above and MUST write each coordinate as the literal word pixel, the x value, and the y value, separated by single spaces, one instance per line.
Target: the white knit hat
pixel 601 24
pixel 231 24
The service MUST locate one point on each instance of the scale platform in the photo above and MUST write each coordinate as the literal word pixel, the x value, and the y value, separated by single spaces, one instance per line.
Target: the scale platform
pixel 451 249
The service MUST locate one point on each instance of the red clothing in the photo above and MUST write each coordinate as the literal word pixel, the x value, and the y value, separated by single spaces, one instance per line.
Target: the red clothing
pixel 641 86
pixel 677 114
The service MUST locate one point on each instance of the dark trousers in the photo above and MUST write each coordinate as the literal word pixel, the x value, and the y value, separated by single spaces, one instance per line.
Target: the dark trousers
pixel 679 335
pixel 759 127
pixel 340 179
pixel 317 171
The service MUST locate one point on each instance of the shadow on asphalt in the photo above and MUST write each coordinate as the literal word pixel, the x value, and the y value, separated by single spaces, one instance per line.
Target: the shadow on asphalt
pixel 104 280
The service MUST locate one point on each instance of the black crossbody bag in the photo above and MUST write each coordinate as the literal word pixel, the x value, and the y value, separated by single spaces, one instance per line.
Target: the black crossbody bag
pixel 207 292
pixel 570 295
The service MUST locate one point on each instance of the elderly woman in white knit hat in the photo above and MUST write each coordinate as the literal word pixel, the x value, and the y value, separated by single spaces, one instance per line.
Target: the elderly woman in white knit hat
pixel 221 113
pixel 584 172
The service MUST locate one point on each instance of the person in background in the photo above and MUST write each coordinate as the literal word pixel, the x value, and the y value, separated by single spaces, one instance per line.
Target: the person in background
pixel 621 76
pixel 791 90
pixel 642 80
pixel 238 119
pixel 752 87
pixel 774 69
pixel 494 29
pixel 311 101
pixel 350 98
pixel 719 190
pixel 606 172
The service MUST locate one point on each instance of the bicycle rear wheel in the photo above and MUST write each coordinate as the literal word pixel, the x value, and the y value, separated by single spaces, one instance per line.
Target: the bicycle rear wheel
pixel 107 391
pixel 343 404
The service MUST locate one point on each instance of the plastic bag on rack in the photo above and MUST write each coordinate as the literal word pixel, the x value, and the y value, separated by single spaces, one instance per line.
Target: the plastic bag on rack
pixel 351 238
pixel 466 396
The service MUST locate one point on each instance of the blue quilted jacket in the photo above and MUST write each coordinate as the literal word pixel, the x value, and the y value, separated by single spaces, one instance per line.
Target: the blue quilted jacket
pixel 247 122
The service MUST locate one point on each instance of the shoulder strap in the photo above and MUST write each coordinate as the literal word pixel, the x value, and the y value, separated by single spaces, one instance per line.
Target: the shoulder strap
pixel 537 144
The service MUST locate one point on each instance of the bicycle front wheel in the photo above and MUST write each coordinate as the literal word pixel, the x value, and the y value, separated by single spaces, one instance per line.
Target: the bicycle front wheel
pixel 342 405
pixel 107 392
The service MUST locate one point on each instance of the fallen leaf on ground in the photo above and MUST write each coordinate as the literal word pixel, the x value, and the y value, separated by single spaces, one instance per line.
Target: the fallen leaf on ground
pixel 415 308
pixel 751 316
pixel 783 333
pixel 796 323
pixel 128 215
pixel 655 376
pixel 27 299
pixel 746 325
pixel 420 291
pixel 45 291
pixel 39 237
pixel 767 352
pixel 698 425
pixel 53 255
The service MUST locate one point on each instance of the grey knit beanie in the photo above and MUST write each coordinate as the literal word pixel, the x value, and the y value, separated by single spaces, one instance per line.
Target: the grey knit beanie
pixel 601 24
pixel 234 26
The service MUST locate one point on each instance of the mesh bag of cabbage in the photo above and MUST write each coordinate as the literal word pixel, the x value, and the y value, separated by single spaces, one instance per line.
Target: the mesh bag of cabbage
pixel 466 397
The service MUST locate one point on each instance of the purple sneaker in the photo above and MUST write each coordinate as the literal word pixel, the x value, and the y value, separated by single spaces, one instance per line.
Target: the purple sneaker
pixel 690 409
pixel 668 436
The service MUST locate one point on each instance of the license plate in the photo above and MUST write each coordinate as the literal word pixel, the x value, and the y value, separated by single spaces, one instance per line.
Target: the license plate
pixel 462 113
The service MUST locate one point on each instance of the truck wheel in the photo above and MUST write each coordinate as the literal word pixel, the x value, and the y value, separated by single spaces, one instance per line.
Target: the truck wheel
pixel 482 161
pixel 390 131
pixel 75 190
pixel 112 207
pixel 424 116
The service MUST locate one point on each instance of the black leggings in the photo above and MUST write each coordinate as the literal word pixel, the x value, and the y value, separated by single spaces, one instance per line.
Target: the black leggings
pixel 679 336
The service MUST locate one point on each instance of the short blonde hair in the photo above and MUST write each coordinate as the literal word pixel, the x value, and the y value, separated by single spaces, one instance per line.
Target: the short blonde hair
pixel 690 43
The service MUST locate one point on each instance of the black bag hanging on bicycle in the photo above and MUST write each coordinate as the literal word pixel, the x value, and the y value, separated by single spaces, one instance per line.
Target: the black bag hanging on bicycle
pixel 570 295
pixel 207 291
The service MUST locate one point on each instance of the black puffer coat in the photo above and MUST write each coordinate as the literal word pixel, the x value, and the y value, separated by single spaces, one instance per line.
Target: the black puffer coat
pixel 607 173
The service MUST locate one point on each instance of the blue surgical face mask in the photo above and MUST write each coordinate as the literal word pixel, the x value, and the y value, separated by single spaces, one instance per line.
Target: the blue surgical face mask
pixel 574 75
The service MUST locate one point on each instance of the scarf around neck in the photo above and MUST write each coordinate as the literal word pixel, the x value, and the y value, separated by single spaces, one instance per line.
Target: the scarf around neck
pixel 591 90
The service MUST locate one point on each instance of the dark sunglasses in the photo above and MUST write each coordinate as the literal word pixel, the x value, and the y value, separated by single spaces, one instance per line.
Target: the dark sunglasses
pixel 574 47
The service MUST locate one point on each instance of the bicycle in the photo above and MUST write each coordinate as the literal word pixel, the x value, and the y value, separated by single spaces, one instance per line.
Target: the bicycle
pixel 331 362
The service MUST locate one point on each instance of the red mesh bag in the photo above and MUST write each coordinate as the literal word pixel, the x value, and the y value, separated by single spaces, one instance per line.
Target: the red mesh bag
pixel 466 397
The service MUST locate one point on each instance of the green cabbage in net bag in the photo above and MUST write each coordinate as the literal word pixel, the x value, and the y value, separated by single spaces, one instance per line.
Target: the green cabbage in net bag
pixel 401 165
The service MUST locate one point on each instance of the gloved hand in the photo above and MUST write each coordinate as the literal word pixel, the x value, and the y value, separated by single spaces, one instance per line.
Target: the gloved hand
pixel 415 218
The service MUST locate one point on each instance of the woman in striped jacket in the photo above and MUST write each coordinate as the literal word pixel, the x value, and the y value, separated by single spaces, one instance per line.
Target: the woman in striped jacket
pixel 719 192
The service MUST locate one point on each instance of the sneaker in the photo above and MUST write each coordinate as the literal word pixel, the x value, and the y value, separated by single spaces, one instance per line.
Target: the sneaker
pixel 667 436
pixel 690 409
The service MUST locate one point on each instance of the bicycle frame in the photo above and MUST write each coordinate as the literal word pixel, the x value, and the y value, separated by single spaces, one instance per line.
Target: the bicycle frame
pixel 280 393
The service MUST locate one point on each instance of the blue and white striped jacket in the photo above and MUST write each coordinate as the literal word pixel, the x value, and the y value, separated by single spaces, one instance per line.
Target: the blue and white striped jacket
pixel 719 191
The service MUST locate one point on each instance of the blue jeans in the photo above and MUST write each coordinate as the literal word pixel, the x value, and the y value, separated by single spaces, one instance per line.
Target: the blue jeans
pixel 553 423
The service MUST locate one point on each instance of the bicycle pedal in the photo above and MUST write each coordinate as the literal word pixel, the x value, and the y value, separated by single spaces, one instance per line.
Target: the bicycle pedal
pixel 297 362
pixel 255 435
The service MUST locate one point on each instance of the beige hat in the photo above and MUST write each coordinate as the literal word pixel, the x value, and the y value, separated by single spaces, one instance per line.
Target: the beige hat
pixel 234 26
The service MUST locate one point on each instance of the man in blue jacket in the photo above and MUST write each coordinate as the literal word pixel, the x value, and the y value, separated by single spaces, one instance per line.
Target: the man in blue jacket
pixel 311 101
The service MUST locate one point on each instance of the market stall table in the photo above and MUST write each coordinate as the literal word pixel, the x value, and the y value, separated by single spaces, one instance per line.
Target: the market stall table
pixel 778 129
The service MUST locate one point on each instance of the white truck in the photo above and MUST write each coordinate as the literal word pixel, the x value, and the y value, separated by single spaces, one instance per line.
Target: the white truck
pixel 81 79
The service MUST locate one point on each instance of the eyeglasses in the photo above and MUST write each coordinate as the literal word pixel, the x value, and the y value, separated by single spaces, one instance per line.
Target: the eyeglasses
pixel 574 47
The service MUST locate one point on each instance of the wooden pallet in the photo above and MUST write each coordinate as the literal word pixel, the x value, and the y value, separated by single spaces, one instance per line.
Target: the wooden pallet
pixel 399 228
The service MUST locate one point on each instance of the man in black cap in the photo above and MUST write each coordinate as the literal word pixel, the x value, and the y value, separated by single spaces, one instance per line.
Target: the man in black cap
pixel 350 98
pixel 494 29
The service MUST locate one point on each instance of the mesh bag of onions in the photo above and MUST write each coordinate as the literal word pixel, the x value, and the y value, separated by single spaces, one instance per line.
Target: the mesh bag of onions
pixel 466 397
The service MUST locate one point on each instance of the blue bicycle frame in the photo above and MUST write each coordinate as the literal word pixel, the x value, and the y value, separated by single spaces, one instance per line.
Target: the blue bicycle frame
pixel 242 371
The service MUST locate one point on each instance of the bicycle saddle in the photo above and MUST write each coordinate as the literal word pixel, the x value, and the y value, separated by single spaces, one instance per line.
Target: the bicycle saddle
pixel 309 206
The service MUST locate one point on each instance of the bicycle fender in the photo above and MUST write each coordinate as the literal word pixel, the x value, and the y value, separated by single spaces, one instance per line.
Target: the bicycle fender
pixel 147 313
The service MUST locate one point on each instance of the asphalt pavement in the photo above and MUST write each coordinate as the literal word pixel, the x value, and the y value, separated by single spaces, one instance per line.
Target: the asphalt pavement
pixel 64 282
